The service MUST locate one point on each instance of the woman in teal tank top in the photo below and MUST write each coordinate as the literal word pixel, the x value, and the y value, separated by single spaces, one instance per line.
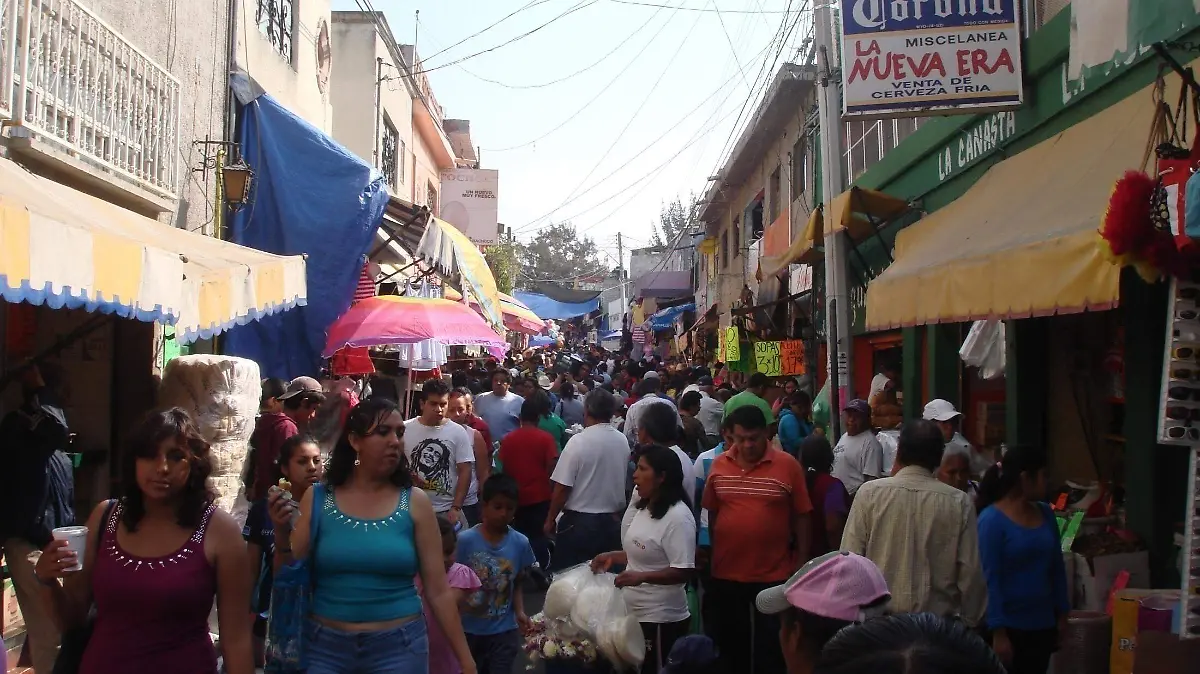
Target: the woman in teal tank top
pixel 375 534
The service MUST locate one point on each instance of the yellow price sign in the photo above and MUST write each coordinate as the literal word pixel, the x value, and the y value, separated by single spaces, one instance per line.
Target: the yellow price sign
pixel 733 347
pixel 766 358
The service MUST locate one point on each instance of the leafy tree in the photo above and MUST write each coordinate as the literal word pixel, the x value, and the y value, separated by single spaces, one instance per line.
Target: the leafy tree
pixel 675 218
pixel 501 257
pixel 558 252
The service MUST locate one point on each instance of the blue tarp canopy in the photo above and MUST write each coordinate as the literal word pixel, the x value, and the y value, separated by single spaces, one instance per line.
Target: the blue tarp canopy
pixel 309 196
pixel 541 340
pixel 609 336
pixel 545 307
pixel 663 319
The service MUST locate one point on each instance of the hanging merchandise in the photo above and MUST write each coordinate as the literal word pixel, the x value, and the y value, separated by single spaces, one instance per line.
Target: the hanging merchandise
pixel 984 348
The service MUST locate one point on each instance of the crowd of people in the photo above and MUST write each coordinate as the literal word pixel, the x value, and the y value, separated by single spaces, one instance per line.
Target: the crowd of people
pixel 742 538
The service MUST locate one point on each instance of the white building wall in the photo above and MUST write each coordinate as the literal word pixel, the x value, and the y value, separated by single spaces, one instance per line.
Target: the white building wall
pixel 294 82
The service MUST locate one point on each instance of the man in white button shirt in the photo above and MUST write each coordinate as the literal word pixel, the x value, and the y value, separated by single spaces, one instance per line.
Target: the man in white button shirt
pixel 649 389
pixel 712 411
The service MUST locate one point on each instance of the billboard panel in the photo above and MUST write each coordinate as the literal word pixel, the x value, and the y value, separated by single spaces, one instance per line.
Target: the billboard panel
pixel 469 202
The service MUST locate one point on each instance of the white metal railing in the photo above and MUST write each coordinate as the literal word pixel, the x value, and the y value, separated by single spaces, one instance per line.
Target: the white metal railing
pixel 75 81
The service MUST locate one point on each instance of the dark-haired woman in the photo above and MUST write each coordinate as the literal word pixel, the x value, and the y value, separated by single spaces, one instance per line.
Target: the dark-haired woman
pixel 908 643
pixel 1022 562
pixel 155 564
pixel 300 466
pixel 658 541
pixel 570 405
pixel 375 534
pixel 831 503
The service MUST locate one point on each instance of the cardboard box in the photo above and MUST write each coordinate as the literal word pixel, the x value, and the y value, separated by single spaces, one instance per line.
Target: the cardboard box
pixel 1094 577
pixel 1161 653
pixel 12 623
pixel 1125 633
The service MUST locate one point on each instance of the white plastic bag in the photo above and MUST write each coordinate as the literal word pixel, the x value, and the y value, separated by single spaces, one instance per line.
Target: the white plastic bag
pixel 984 348
pixel 590 604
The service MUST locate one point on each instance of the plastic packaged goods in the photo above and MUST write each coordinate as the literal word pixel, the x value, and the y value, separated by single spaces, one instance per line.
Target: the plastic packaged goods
pixel 590 605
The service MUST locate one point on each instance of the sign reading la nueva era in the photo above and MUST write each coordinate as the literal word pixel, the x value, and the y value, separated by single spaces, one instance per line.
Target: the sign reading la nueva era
pixel 922 57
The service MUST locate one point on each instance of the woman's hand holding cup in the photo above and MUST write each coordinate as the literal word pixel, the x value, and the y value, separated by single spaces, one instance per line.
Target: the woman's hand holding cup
pixel 56 561
pixel 280 506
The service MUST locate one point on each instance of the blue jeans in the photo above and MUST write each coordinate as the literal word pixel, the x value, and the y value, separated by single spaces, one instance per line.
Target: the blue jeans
pixel 582 536
pixel 495 653
pixel 399 650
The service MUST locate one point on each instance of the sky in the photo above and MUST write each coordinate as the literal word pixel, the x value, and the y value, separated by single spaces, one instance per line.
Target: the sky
pixel 610 108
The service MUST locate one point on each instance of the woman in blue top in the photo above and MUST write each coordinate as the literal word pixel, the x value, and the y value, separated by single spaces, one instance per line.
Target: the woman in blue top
pixel 794 422
pixel 375 533
pixel 1022 562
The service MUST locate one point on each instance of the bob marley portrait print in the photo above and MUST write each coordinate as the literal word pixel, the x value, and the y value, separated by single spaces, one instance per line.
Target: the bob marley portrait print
pixel 433 460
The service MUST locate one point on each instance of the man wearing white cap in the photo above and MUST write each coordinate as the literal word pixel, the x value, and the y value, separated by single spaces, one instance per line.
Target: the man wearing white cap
pixel 947 418
pixel 828 593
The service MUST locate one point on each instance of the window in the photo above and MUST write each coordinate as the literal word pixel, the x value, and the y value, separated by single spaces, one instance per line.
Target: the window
pixel 274 19
pixel 431 198
pixel 865 143
pixel 388 159
pixel 1039 12
pixel 724 249
pixel 737 237
pixel 799 167
pixel 401 162
pixel 776 191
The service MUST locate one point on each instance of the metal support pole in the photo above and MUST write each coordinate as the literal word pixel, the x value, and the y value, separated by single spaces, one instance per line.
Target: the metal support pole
pixel 837 296
pixel 621 276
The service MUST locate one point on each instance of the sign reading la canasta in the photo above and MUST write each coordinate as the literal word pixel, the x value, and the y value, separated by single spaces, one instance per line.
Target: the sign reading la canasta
pixel 923 57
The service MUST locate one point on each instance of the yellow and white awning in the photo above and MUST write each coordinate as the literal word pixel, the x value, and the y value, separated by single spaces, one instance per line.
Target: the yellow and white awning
pixel 63 248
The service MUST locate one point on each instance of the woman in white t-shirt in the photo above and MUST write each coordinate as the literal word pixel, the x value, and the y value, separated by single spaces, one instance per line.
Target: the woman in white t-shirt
pixel 658 541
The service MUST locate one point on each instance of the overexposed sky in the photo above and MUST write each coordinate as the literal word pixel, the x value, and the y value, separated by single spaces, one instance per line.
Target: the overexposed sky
pixel 603 114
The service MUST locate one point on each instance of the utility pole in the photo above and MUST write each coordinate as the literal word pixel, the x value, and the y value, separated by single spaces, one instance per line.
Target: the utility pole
pixel 621 275
pixel 837 299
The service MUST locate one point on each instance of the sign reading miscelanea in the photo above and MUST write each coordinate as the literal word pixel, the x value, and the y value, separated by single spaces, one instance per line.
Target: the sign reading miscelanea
pixel 929 57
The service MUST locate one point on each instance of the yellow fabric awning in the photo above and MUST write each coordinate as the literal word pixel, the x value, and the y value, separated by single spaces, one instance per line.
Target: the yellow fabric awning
pixel 63 248
pixel 1023 240
pixel 848 210
pixel 802 251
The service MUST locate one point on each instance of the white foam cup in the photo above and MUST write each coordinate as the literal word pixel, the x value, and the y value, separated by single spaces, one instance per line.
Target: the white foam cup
pixel 76 538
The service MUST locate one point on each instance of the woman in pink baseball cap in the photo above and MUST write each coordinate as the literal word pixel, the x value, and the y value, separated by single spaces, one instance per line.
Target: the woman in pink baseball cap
pixel 828 593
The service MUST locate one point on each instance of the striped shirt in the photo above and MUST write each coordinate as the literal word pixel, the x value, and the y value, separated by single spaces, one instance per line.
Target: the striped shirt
pixel 754 509
pixel 703 466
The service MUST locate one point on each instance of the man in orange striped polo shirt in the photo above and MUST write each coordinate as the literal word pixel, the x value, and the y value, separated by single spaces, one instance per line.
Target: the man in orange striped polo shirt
pixel 758 510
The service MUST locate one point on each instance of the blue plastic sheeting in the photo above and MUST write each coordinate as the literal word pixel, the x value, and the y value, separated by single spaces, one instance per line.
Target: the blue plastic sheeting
pixel 545 307
pixel 609 336
pixel 663 319
pixel 310 196
pixel 541 340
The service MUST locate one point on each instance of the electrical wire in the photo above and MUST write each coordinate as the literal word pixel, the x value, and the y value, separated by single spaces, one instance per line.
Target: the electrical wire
pixel 635 3
pixel 600 92
pixel 506 17
pixel 641 106
pixel 729 41
pixel 582 4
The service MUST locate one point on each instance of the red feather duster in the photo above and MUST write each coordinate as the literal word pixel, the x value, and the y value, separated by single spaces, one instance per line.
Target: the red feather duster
pixel 1127 226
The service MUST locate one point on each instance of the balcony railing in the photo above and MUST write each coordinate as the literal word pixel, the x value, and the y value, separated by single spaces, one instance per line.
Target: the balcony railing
pixel 70 79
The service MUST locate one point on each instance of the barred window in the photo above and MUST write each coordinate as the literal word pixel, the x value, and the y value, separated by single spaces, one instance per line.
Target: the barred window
pixel 275 19
pixel 865 143
pixel 431 198
pixel 388 160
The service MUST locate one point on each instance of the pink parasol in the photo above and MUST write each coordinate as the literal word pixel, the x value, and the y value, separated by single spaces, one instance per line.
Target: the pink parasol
pixel 407 320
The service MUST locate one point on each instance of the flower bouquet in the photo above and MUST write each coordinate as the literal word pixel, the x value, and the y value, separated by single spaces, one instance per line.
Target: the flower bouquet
pixel 560 649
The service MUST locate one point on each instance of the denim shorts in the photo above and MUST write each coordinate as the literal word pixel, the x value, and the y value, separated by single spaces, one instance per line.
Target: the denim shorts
pixel 399 650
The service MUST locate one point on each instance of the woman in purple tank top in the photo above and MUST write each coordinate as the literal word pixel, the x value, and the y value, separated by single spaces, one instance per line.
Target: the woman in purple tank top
pixel 154 566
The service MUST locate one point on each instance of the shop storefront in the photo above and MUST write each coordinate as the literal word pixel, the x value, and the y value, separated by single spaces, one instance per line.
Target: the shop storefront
pixel 1010 204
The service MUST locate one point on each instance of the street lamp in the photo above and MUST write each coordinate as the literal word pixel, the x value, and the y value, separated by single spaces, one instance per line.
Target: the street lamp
pixel 236 180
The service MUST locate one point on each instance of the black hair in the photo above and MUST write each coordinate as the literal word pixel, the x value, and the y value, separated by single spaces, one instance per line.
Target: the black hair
pixel 500 373
pixel 748 417
pixel 272 387
pixel 567 390
pixel 815 630
pixel 647 386
pixel 921 444
pixel 157 427
pixel 499 484
pixel 600 405
pixel 461 391
pixel 361 422
pixel 289 447
pixel 663 461
pixel 458 378
pixel 445 528
pixel 816 456
pixel 540 400
pixel 800 399
pixel 757 380
pixel 908 643
pixel 435 387
pixel 531 410
pixel 660 421
pixel 1005 476
pixel 690 400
